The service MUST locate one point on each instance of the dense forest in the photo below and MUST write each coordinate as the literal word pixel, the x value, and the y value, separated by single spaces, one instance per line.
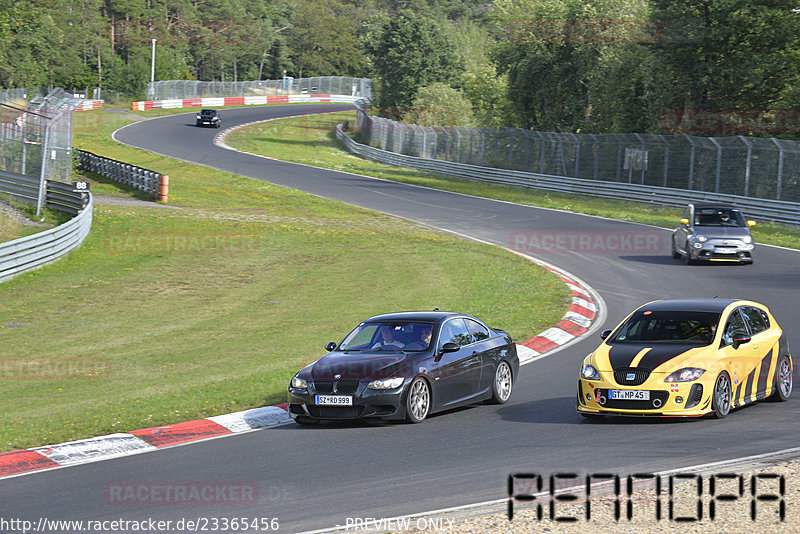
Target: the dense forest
pixel 557 65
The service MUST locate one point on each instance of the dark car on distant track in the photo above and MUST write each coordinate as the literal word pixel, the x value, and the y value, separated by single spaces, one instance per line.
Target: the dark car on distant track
pixel 208 117
pixel 713 232
pixel 406 365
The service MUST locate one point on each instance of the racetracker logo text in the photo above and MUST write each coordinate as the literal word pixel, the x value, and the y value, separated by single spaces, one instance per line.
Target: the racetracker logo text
pixel 553 242
pixel 181 493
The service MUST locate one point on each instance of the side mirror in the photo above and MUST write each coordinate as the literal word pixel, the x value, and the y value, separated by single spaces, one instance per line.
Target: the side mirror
pixel 449 347
pixel 751 223
pixel 684 221
pixel 605 333
pixel 740 340
pixel 330 346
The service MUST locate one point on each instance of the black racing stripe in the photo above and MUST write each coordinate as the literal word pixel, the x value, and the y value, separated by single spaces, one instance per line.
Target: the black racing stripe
pixel 748 390
pixel 737 391
pixel 621 355
pixel 764 376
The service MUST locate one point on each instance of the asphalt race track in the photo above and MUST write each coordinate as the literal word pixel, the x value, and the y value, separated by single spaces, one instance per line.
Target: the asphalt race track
pixel 312 478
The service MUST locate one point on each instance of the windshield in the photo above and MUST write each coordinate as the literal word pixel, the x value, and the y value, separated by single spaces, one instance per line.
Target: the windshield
pixel 208 112
pixel 718 217
pixel 682 327
pixel 389 337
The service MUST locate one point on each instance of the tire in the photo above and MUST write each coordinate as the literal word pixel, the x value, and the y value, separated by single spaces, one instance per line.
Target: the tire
pixel 306 421
pixel 783 380
pixel 675 254
pixel 418 402
pixel 721 397
pixel 502 384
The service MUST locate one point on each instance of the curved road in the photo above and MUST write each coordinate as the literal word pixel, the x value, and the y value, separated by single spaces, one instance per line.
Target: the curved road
pixel 313 478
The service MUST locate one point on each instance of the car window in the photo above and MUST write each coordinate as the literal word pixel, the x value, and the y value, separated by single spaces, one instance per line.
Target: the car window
pixel 477 330
pixel 718 217
pixel 756 319
pixel 678 327
pixel 455 331
pixel 734 327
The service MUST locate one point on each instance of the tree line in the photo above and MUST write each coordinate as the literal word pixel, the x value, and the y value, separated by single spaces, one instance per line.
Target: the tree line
pixel 555 65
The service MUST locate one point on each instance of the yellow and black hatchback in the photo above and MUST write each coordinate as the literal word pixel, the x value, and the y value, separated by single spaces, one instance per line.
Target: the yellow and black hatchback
pixel 687 358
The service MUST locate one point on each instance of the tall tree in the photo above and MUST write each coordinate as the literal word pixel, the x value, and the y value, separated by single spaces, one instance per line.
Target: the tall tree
pixel 410 52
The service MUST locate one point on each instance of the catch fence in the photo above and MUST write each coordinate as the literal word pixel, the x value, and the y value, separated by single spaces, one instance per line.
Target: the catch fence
pixel 330 85
pixel 756 167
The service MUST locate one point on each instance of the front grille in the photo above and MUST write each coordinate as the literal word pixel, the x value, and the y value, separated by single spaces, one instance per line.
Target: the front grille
pixel 335 412
pixel 639 376
pixel 619 404
pixel 343 387
pixel 323 386
pixel 346 387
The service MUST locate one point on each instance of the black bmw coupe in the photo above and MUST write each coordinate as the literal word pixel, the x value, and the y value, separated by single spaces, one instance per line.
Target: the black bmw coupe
pixel 406 366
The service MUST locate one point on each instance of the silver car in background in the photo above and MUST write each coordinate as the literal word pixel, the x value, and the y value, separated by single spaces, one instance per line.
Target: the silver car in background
pixel 713 232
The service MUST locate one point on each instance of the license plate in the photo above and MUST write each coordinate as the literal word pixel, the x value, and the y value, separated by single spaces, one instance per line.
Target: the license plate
pixel 334 400
pixel 628 394
pixel 724 250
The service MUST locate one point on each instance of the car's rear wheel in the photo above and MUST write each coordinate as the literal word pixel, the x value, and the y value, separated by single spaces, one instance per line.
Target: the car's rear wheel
pixel 721 399
pixel 418 403
pixel 783 380
pixel 503 383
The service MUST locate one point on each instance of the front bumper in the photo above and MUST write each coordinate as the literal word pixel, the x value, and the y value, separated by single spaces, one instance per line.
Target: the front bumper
pixel 722 250
pixel 676 399
pixel 367 403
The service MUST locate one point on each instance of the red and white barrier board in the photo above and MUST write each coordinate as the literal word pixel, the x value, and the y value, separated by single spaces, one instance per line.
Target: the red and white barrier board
pixel 218 102
pixel 86 105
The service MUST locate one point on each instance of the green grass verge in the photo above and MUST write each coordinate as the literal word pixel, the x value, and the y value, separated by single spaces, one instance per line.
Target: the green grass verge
pixel 291 140
pixel 165 315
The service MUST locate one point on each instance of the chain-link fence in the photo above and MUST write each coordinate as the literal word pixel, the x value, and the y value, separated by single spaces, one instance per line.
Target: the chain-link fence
pixel 36 136
pixel 737 165
pixel 324 85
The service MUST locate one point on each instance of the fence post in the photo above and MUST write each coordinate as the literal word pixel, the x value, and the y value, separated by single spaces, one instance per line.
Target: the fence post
pixel 666 158
pixel 719 163
pixel 780 167
pixel 747 166
pixel 691 160
pixel 596 151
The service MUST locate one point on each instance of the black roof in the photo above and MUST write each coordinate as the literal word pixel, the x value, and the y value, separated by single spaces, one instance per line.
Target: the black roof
pixel 715 206
pixel 695 304
pixel 412 316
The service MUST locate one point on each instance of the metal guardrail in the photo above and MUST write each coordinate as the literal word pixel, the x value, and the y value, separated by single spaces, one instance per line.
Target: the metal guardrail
pixel 31 252
pixel 138 178
pixel 773 210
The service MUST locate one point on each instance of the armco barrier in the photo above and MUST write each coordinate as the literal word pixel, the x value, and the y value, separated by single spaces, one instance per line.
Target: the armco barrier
pixel 773 210
pixel 138 178
pixel 240 101
pixel 36 250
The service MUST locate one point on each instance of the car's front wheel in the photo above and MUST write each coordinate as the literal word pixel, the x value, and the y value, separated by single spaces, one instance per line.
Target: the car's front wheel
pixel 721 399
pixel 503 382
pixel 418 403
pixel 675 254
pixel 783 380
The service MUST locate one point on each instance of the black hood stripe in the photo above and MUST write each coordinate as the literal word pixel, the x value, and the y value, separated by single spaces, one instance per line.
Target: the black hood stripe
pixel 621 355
